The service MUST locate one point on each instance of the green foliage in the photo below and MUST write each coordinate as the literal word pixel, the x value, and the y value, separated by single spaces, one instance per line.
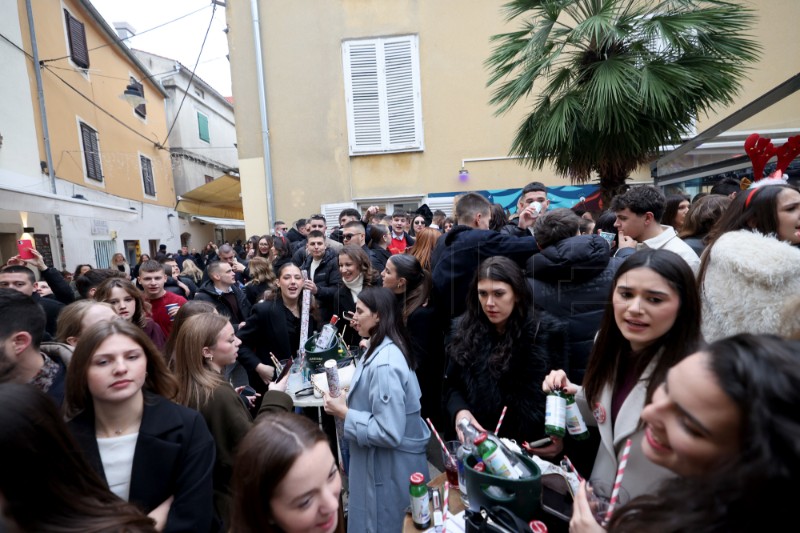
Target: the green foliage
pixel 615 79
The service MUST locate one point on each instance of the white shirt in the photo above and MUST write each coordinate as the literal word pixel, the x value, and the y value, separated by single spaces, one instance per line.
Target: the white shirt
pixel 669 240
pixel 314 264
pixel 116 454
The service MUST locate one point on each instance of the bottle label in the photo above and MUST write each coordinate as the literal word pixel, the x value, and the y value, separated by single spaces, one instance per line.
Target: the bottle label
pixel 575 423
pixel 555 415
pixel 499 465
pixel 420 511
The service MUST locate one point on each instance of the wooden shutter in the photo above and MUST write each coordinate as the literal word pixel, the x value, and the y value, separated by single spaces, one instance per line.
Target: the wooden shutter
pixel 91 153
pixel 202 126
pixel 382 87
pixel 147 176
pixel 140 109
pixel 76 32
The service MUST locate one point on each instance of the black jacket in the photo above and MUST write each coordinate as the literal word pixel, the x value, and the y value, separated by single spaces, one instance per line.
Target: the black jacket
pixel 207 293
pixel 294 236
pixel 458 255
pixel 174 456
pixel 473 387
pixel 327 276
pixel 61 289
pixel 378 258
pixel 52 308
pixel 572 281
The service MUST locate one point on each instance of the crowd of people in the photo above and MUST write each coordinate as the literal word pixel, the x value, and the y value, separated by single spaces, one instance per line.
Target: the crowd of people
pixel 145 397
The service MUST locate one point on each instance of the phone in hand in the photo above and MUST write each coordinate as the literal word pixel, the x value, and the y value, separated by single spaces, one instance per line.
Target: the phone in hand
pixel 23 249
pixel 247 391
pixel 284 370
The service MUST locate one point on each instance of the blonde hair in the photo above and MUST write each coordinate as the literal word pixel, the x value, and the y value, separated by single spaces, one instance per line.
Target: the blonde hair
pixel 70 320
pixel 191 270
pixel 196 379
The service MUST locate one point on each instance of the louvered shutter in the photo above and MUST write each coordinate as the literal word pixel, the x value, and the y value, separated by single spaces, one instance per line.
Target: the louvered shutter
pixel 76 32
pixel 140 109
pixel 202 127
pixel 382 87
pixel 91 153
pixel 147 176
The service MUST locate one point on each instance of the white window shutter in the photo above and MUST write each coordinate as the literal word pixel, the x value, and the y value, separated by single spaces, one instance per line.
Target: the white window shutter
pixel 382 87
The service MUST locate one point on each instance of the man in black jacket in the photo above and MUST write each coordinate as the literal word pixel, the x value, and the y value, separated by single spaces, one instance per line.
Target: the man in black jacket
pixel 224 293
pixel 322 265
pixel 22 279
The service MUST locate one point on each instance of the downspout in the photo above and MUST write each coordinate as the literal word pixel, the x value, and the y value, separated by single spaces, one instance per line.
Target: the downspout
pixel 45 131
pixel 262 108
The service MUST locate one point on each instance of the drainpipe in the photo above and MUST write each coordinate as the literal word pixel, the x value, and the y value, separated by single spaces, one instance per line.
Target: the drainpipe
pixel 45 131
pixel 262 108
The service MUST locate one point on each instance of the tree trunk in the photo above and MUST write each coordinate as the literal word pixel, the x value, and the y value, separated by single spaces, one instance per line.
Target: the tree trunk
pixel 611 185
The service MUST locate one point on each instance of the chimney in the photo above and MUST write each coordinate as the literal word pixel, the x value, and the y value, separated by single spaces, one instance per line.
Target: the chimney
pixel 124 30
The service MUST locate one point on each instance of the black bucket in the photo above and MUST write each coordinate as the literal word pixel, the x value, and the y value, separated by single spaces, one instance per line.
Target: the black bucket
pixel 522 497
pixel 316 358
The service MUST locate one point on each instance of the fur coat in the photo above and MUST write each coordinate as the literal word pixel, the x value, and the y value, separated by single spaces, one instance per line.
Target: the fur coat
pixel 749 280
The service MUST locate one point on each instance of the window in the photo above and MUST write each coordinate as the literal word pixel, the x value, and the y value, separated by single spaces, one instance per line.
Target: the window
pixel 141 109
pixel 202 126
pixel 76 33
pixel 382 88
pixel 147 176
pixel 91 153
pixel 103 250
pixel 208 178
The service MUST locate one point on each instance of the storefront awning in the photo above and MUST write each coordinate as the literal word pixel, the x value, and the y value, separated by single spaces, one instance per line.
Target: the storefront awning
pixel 35 201
pixel 222 223
pixel 221 198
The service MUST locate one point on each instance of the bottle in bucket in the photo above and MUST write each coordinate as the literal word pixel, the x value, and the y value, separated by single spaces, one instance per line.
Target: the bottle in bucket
pixel 466 449
pixel 497 462
pixel 327 336
pixel 576 425
pixel 420 510
pixel 555 414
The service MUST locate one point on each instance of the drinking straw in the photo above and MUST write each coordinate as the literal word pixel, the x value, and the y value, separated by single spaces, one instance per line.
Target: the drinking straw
pixel 444 448
pixel 572 467
pixel 618 481
pixel 499 422
pixel 444 510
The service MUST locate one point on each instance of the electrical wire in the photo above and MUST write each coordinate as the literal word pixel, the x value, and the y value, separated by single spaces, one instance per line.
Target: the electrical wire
pixel 15 45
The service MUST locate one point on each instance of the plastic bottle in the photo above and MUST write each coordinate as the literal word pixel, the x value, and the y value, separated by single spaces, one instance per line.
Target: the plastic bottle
pixel 466 449
pixel 575 422
pixel 327 336
pixel 496 460
pixel 420 510
pixel 555 414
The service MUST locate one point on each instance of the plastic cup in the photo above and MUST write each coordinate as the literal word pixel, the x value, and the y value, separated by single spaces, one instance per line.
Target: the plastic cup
pixel 451 462
pixel 599 494
pixel 170 307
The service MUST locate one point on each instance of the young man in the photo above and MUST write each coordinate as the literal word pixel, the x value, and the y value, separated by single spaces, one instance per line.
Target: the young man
pixel 317 223
pixel 354 233
pixel 23 280
pixel 400 238
pixel 280 228
pixel 152 279
pixel 224 293
pixel 180 285
pixel 23 356
pixel 533 195
pixel 322 265
pixel 638 223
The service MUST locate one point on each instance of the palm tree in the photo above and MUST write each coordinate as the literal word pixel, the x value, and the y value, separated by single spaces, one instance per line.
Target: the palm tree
pixel 613 80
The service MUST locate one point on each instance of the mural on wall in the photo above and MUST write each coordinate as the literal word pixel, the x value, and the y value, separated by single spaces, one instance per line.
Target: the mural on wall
pixel 568 196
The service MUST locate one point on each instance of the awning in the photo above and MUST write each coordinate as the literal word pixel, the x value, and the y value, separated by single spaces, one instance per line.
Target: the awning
pixel 221 198
pixel 34 201
pixel 223 223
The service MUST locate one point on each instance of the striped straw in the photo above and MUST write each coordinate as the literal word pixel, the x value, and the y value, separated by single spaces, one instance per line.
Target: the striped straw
pixel 446 452
pixel 618 481
pixel 446 502
pixel 572 467
pixel 500 422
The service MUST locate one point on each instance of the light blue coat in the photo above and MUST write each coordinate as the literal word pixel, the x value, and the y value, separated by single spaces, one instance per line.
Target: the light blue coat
pixel 387 438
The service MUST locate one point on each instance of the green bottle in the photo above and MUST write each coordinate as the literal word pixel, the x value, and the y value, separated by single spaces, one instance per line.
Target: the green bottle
pixel 575 423
pixel 555 414
pixel 493 457
pixel 420 510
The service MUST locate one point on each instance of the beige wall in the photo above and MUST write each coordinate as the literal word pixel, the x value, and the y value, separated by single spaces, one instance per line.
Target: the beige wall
pixel 306 102
pixel 108 74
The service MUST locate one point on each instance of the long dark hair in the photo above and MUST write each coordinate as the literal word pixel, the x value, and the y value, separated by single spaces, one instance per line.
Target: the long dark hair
pixel 474 327
pixel 682 339
pixel 703 214
pixel 418 282
pixel 761 375
pixel 77 398
pixel 46 484
pixel 671 209
pixel 754 210
pixel 103 294
pixel 263 458
pixel 382 301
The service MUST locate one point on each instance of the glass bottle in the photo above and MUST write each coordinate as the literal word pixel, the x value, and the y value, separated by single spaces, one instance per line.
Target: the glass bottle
pixel 420 510
pixel 575 422
pixel 555 414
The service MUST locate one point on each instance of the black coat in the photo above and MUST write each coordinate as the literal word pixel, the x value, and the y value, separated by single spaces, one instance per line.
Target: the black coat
pixel 378 258
pixel 572 281
pixel 174 456
pixel 473 387
pixel 458 255
pixel 327 276
pixel 207 293
pixel 341 304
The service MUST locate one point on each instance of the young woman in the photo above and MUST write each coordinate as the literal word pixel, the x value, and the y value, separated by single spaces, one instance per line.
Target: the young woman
pixel 725 420
pixel 264 248
pixel 129 304
pixel 423 246
pixel 206 345
pixel 135 270
pixel 118 262
pixel 190 308
pixel 285 479
pixel 700 218
pixel 449 222
pixel 417 224
pixel 379 246
pixel 273 327
pixel 753 248
pixel 46 483
pixel 78 316
pixel 411 284
pixel 675 211
pixel 641 337
pixel 282 251
pixel 499 354
pixel 382 422
pixel 262 279
pixel 357 274
pixel 79 271
pixel 191 271
pixel 151 452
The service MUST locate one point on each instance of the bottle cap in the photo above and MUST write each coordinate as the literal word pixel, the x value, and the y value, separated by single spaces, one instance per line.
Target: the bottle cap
pixel 417 478
pixel 480 438
pixel 479 467
pixel 334 320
